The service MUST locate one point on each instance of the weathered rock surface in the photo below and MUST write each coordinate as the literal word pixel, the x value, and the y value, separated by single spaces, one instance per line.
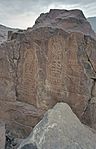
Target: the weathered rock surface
pixel 2 135
pixel 20 117
pixel 44 65
pixel 60 129
pixel 68 20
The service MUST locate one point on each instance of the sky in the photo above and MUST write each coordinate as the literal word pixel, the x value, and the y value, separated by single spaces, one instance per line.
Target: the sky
pixel 23 13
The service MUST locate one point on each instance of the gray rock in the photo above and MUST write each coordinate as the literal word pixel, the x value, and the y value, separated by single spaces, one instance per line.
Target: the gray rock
pixel 61 129
pixel 92 21
pixel 4 32
pixel 2 135
pixel 29 146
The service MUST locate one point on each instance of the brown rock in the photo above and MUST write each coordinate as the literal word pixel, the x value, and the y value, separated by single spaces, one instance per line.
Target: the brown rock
pixel 68 20
pixel 45 65
pixel 19 117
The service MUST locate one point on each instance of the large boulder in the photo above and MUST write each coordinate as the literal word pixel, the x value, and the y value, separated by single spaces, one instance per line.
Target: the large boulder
pixel 47 64
pixel 60 129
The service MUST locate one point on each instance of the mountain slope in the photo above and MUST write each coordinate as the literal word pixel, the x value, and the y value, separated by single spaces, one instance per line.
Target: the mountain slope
pixel 92 21
pixel 4 32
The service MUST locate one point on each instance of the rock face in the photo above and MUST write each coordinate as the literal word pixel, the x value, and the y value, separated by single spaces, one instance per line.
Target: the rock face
pixel 67 20
pixel 60 129
pixel 4 32
pixel 44 65
pixel 2 135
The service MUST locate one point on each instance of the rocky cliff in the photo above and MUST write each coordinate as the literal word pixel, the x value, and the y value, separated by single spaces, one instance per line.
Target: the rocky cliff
pixel 70 21
pixel 53 61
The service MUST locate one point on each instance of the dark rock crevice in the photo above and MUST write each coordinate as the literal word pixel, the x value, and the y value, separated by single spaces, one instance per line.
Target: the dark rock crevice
pixel 90 108
pixel 92 105
pixel 89 112
pixel 14 62
pixel 86 53
pixel 89 60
